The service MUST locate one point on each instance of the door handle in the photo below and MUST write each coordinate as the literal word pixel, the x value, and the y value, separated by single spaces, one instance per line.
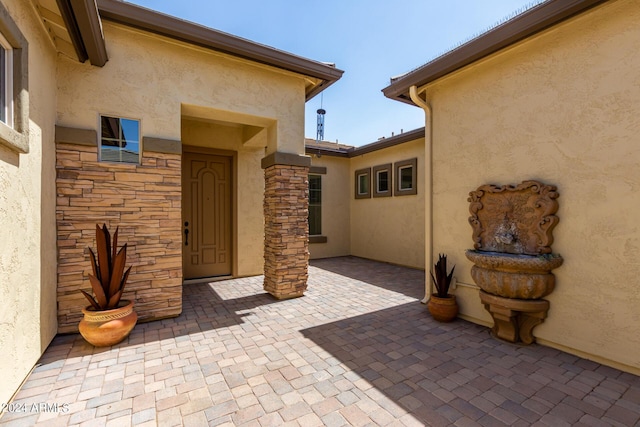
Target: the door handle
pixel 186 233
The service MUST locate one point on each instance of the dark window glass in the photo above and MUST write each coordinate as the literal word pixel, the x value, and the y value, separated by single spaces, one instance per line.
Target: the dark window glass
pixel 363 184
pixel 315 205
pixel 406 178
pixel 383 181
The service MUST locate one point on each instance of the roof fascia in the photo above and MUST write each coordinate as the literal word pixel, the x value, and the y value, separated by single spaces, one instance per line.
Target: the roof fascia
pixel 72 28
pixel 310 149
pixel 90 26
pixel 85 30
pixel 169 26
pixel 388 142
pixel 522 26
pixel 411 135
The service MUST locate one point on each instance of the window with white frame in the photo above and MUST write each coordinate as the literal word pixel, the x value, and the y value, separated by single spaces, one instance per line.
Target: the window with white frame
pixel 382 181
pixel 119 140
pixel 363 183
pixel 6 82
pixel 406 177
pixel 315 205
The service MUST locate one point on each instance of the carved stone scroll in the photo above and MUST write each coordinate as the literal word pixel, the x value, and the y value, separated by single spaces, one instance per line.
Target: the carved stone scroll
pixel 514 219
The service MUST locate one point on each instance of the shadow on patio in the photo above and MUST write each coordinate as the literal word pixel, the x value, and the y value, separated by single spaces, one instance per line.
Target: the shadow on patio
pixel 204 309
pixel 357 349
pixel 407 281
pixel 457 373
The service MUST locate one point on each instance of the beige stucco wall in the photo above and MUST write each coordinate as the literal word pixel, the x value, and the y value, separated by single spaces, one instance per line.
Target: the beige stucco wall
pixel 336 196
pixel 389 229
pixel 248 182
pixel 561 108
pixel 150 77
pixel 27 217
pixel 200 97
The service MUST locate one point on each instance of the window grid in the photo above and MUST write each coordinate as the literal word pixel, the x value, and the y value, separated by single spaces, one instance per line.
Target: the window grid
pixel 119 140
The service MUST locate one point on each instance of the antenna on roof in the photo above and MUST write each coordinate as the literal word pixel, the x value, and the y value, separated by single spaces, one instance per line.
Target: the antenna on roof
pixel 321 112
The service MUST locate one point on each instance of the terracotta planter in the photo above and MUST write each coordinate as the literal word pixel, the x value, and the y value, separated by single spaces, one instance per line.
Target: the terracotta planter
pixel 108 327
pixel 443 309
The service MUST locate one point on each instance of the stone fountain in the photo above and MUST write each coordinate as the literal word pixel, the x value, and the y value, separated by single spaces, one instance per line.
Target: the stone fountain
pixel 512 235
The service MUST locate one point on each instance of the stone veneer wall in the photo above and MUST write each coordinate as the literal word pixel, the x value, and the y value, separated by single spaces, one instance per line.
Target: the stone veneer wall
pixel 144 201
pixel 286 248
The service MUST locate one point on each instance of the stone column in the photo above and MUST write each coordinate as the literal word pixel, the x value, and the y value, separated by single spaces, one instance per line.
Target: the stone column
pixel 286 228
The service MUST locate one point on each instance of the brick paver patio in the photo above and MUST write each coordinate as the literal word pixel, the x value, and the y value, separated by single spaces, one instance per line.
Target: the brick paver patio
pixel 358 349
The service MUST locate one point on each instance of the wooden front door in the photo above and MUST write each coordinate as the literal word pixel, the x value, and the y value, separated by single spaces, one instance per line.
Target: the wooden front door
pixel 206 237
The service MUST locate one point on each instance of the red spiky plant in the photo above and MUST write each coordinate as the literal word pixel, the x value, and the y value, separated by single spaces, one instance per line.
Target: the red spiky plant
pixel 108 278
pixel 442 280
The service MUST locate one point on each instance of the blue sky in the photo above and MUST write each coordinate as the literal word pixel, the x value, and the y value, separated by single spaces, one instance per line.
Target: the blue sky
pixel 371 40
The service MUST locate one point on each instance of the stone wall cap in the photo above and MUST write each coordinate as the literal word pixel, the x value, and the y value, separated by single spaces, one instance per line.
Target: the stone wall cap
pixel 287 159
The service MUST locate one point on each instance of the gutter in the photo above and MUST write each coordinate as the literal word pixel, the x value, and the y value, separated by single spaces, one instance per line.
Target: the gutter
pixel 428 185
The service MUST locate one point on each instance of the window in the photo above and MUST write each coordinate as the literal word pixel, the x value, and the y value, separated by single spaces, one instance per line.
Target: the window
pixel 315 205
pixel 406 177
pixel 6 82
pixel 382 177
pixel 14 93
pixel 363 181
pixel 119 140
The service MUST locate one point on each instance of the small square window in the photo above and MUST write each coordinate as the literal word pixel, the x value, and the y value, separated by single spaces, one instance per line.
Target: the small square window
pixel 406 177
pixel 119 140
pixel 382 176
pixel 363 183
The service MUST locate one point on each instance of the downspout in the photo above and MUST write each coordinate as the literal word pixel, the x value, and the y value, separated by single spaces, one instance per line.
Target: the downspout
pixel 428 185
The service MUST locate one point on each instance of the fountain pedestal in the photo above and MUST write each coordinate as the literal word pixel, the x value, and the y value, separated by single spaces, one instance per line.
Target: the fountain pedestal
pixel 514 319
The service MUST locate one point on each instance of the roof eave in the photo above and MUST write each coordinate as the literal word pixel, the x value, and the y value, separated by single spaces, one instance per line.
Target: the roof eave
pixel 381 144
pixel 388 142
pixel 85 30
pixel 310 149
pixel 169 26
pixel 519 28
pixel 316 89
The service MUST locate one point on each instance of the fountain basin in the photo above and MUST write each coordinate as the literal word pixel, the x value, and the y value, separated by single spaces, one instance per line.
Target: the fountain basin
pixel 514 275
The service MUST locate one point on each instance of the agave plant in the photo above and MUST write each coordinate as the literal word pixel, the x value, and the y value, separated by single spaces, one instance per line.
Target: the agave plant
pixel 441 280
pixel 108 278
